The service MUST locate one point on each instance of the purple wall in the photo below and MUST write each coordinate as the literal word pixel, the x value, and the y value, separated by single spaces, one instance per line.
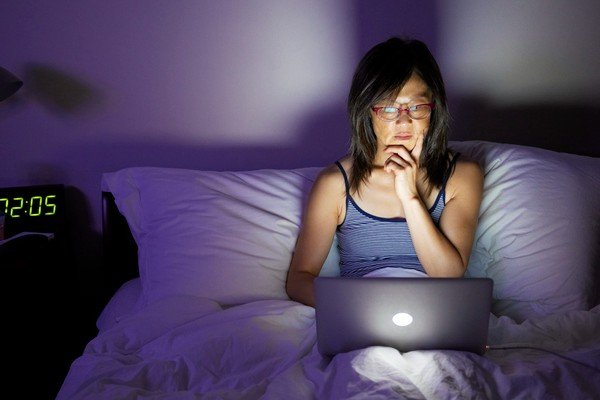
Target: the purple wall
pixel 255 84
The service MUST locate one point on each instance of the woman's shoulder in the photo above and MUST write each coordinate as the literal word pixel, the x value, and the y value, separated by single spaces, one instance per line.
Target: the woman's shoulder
pixel 331 178
pixel 465 165
pixel 332 174
pixel 467 174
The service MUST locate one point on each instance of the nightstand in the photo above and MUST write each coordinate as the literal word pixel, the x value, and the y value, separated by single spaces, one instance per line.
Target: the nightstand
pixel 38 291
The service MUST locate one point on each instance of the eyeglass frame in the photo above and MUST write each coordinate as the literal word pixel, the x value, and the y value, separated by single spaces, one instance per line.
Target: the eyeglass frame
pixel 376 110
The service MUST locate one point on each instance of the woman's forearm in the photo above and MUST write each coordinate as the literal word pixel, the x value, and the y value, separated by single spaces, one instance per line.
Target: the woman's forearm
pixel 439 257
pixel 299 287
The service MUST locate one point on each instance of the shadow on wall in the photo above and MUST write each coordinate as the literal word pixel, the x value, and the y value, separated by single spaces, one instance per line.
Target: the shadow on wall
pixel 59 92
pixel 568 128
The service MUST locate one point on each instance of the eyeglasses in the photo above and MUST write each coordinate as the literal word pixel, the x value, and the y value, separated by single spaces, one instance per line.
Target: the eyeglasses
pixel 390 113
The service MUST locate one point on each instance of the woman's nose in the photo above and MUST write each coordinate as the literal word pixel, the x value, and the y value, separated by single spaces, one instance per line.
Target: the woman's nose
pixel 403 117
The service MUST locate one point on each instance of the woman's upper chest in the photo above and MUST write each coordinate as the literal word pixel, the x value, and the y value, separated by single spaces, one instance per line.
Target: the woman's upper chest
pixel 378 196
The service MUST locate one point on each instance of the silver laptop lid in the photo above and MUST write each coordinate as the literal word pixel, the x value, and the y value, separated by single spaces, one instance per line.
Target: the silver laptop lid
pixel 404 313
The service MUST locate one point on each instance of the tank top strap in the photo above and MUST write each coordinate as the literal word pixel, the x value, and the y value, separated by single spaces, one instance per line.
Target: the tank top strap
pixel 346 182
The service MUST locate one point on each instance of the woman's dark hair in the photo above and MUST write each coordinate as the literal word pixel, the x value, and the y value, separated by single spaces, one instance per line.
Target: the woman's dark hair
pixel 380 75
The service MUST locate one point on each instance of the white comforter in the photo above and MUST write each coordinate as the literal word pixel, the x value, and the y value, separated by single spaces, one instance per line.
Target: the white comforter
pixel 189 348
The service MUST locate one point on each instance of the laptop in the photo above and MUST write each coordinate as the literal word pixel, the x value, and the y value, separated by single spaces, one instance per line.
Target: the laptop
pixel 404 313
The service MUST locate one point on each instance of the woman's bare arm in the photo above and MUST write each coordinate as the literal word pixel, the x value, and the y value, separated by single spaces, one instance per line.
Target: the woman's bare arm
pixel 320 220
pixel 445 251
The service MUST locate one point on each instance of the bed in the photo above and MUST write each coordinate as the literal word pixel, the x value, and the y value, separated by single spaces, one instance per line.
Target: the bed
pixel 197 307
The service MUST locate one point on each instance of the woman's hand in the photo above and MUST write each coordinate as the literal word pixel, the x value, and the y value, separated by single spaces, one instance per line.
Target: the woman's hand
pixel 404 164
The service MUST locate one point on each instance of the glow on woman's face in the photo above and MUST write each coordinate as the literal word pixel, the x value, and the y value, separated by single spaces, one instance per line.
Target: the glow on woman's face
pixel 404 130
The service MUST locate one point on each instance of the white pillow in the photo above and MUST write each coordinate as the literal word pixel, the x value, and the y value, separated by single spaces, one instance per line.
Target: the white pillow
pixel 226 236
pixel 124 302
pixel 229 236
pixel 538 230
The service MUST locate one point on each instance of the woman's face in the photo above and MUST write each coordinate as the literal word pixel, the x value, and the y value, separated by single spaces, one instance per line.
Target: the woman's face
pixel 404 130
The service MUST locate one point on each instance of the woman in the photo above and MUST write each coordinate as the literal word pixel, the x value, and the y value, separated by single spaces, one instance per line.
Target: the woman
pixel 401 203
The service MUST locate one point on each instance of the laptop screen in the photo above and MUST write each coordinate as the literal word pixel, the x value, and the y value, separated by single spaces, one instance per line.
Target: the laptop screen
pixel 404 313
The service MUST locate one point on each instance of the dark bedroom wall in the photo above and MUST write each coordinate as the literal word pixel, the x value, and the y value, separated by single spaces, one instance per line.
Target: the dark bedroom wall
pixel 262 84
pixel 524 72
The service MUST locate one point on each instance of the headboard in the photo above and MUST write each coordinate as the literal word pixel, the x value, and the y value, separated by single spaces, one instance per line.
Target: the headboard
pixel 119 250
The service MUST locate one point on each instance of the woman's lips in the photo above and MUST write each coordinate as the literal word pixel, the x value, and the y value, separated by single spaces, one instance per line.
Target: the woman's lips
pixel 403 136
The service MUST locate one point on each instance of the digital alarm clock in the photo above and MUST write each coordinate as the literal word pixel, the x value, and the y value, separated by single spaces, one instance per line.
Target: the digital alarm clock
pixel 32 209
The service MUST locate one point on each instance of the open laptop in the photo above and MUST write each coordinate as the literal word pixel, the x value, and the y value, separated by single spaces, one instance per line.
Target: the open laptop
pixel 404 313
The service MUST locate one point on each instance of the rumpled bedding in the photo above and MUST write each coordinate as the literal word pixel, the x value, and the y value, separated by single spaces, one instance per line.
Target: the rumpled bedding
pixel 185 347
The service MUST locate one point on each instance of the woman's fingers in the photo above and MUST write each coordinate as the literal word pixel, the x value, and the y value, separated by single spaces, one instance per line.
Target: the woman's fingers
pixel 416 151
pixel 397 163
pixel 400 152
pixel 399 159
pixel 413 155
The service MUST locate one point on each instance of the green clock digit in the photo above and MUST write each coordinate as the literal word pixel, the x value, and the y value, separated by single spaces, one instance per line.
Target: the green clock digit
pixel 5 208
pixel 15 209
pixel 49 202
pixel 35 206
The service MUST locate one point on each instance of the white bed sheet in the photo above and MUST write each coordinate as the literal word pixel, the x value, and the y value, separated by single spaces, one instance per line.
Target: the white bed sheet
pixel 190 348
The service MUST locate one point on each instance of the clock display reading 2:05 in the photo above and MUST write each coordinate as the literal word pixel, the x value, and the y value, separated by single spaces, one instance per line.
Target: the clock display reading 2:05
pixel 33 206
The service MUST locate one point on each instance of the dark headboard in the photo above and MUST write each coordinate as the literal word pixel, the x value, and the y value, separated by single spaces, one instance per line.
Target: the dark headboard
pixel 119 250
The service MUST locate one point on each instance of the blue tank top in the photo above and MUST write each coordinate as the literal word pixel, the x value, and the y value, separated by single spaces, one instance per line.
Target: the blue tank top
pixel 367 242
